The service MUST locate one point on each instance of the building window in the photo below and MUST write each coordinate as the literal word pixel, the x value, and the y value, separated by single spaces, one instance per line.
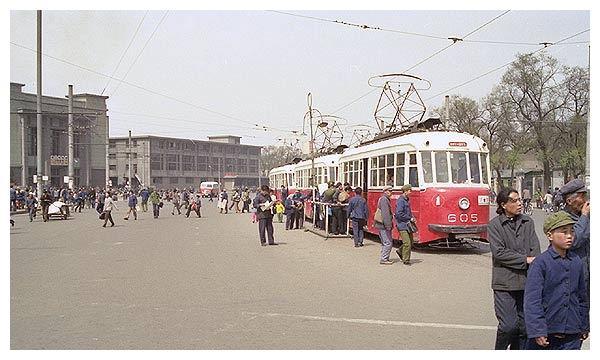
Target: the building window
pixel 172 162
pixel 187 162
pixel 112 167
pixel 156 162
pixel 157 180
pixel 56 142
pixel 135 168
pixel 189 180
pixel 174 180
pixel 134 155
pixel 112 156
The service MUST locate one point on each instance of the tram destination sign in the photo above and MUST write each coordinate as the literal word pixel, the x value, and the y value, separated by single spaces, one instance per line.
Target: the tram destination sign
pixel 457 143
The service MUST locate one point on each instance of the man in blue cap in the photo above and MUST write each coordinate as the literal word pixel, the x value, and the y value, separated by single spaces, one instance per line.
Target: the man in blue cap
pixel 577 205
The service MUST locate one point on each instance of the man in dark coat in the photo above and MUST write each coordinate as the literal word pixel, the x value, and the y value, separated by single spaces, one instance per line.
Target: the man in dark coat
pixel 263 204
pixel 514 245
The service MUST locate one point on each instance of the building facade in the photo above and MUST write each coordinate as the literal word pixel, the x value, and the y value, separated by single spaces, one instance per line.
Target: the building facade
pixel 165 162
pixel 90 129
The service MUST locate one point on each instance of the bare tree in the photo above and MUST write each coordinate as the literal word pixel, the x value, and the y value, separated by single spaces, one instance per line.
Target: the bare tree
pixel 532 85
pixel 273 156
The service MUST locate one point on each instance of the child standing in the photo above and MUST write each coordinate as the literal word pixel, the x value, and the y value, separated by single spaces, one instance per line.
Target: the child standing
pixel 555 305
pixel 279 209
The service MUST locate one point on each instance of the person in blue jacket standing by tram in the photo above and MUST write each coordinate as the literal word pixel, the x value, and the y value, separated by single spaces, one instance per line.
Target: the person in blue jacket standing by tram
pixel 358 213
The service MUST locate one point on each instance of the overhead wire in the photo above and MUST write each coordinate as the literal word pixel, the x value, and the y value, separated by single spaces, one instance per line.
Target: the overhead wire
pixel 505 65
pixel 125 52
pixel 258 126
pixel 141 51
pixel 454 41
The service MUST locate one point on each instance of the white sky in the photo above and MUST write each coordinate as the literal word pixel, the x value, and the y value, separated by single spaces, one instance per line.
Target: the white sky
pixel 256 67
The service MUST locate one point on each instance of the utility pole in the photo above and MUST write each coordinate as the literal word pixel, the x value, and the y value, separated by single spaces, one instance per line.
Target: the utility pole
pixel 311 145
pixel 129 155
pixel 70 130
pixel 39 103
pixel 219 165
pixel 106 159
pixel 446 111
pixel 23 155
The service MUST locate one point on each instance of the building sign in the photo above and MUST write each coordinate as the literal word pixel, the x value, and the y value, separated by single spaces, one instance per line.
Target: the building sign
pixel 59 160
pixel 457 143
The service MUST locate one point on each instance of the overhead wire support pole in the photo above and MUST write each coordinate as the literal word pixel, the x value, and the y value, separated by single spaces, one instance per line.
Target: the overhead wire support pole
pixel 70 130
pixel 39 103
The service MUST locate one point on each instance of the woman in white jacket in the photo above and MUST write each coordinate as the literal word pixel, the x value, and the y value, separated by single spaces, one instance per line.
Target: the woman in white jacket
pixel 109 205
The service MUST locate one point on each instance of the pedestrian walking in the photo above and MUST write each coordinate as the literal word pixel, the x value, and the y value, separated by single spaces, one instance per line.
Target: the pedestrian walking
pixel 358 213
pixel 132 203
pixel 101 200
pixel 514 244
pixel 556 300
pixel 263 204
pixel 577 205
pixel 156 203
pixel 109 206
pixel 289 211
pixel 176 203
pixel 406 224
pixel 223 199
pixel 246 200
pixel 45 201
pixel 145 195
pixel 13 198
pixel 235 200
pixel 31 204
pixel 279 209
pixel 195 204
pixel 384 222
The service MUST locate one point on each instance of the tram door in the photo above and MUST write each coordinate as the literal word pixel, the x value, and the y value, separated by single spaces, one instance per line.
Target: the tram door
pixel 365 177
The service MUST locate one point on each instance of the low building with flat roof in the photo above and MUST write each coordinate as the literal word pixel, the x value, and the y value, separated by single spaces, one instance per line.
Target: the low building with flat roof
pixel 166 162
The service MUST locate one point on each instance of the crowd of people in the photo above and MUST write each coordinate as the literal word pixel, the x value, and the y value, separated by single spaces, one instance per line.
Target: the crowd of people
pixel 541 299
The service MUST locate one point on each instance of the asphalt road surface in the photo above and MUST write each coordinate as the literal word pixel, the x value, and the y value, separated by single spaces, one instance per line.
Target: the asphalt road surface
pixel 189 283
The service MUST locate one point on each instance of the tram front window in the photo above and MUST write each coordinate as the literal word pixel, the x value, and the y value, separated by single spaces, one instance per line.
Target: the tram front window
pixel 458 165
pixel 441 167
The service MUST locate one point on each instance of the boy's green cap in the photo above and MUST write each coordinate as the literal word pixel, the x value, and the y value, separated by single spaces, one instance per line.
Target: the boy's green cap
pixel 557 220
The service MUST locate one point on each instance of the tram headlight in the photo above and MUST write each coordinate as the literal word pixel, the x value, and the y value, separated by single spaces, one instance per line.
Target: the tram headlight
pixel 464 203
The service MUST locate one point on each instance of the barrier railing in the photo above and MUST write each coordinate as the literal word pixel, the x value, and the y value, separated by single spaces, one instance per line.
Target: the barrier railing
pixel 326 211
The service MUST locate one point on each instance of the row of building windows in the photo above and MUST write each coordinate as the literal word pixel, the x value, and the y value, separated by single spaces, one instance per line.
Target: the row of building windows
pixel 173 180
pixel 189 145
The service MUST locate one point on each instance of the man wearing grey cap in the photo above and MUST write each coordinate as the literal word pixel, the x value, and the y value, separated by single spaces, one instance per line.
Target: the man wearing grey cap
pixel 574 194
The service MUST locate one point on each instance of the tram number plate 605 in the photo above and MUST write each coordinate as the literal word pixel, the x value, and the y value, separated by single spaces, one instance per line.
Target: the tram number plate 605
pixel 463 218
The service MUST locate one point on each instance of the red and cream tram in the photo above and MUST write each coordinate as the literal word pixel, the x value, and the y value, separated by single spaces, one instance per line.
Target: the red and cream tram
pixel 282 176
pixel 448 171
pixel 449 174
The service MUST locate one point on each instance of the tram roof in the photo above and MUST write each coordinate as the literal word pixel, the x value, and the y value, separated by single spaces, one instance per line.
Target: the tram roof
pixel 438 140
pixel 327 160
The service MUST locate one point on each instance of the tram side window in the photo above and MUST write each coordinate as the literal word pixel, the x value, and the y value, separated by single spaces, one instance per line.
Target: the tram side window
pixel 400 168
pixel 373 171
pixel 458 165
pixel 474 165
pixel 484 161
pixel 427 166
pixel 413 178
pixel 389 169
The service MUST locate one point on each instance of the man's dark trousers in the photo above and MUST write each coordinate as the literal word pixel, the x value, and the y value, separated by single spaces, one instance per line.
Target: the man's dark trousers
pixel 266 224
pixel 508 306
pixel 564 342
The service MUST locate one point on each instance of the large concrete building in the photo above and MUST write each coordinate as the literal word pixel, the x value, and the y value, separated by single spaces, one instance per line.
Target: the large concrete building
pixel 165 162
pixel 90 129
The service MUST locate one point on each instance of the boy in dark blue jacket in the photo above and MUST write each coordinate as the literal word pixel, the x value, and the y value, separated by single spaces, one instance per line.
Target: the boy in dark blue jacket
pixel 556 306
